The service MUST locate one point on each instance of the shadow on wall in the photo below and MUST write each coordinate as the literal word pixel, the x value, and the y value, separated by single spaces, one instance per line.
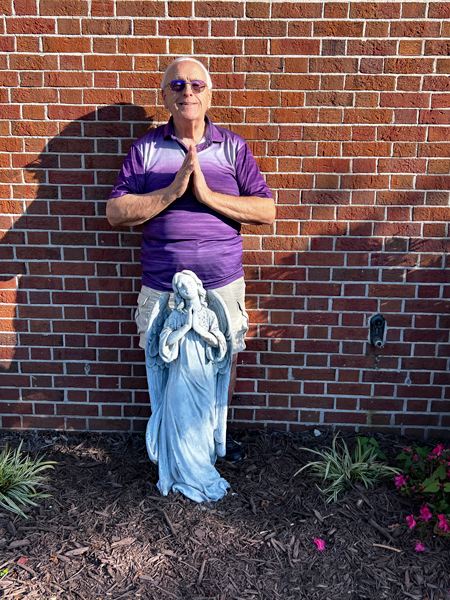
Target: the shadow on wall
pixel 63 266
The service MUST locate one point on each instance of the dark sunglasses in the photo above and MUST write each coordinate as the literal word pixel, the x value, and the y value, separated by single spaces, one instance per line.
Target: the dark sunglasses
pixel 178 85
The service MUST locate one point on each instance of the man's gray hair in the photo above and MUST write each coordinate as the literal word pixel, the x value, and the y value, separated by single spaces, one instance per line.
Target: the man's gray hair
pixel 190 59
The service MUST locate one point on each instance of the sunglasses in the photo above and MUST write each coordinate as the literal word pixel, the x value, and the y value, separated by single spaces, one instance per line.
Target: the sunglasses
pixel 178 85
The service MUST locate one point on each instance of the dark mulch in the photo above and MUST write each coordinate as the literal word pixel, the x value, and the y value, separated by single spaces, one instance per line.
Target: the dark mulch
pixel 105 533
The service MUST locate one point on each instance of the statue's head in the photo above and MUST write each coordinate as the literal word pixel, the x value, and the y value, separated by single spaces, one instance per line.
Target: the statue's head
pixel 182 283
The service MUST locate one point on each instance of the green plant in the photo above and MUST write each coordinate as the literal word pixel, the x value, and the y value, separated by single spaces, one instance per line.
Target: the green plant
pixel 425 473
pixel 343 469
pixel 19 476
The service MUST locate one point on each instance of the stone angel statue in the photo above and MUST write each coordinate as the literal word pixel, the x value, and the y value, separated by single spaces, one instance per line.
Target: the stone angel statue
pixel 188 359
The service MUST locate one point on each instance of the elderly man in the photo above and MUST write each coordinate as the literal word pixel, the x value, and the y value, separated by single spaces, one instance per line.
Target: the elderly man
pixel 192 184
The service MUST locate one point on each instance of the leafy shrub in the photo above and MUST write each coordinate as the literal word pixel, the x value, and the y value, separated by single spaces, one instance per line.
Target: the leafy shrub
pixel 425 473
pixel 19 476
pixel 343 469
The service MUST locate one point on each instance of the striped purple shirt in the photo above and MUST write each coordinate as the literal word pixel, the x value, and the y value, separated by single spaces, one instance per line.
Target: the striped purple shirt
pixel 188 234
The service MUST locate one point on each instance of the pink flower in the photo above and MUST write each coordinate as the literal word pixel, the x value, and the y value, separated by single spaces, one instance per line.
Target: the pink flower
pixel 400 481
pixel 411 522
pixel 320 544
pixel 438 449
pixel 413 488
pixel 416 457
pixel 425 513
pixel 420 547
pixel 443 523
pixel 430 456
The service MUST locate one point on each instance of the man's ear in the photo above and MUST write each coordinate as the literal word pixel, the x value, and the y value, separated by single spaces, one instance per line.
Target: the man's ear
pixel 209 99
pixel 163 93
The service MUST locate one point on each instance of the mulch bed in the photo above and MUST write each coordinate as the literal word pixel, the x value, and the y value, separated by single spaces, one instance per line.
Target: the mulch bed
pixel 106 533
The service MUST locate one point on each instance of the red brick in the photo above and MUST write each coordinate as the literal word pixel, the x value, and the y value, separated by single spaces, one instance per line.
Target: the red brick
pixel 294 82
pixel 69 9
pixel 294 46
pixel 66 44
pixel 439 10
pixel 133 8
pixel 375 10
pixel 333 64
pixel 183 28
pixel 259 64
pixel 255 28
pixel 339 28
pixel 219 9
pixel 180 9
pixel 36 26
pixel 294 10
pixel 416 29
pixel 344 417
pixel 371 47
pixel 218 46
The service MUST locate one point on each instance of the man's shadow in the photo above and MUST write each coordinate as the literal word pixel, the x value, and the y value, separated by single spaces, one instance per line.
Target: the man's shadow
pixel 68 279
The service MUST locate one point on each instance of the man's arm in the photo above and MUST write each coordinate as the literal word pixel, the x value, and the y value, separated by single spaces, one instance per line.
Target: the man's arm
pixel 248 210
pixel 134 209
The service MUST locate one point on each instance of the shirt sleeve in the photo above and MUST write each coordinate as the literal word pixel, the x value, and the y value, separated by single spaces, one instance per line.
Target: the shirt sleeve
pixel 131 179
pixel 248 175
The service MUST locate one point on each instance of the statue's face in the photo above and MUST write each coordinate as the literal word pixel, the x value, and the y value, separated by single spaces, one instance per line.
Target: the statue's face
pixel 187 288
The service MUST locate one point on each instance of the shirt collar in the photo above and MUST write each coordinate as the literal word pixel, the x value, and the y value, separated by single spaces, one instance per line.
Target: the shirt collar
pixel 212 133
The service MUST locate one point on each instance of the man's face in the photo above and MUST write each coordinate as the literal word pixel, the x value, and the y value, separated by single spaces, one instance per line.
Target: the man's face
pixel 186 106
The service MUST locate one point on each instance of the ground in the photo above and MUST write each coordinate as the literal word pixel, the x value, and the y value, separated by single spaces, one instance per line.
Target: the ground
pixel 106 533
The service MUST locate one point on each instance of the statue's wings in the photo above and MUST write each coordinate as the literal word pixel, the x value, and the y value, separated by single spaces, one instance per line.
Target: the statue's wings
pixel 157 369
pixel 157 372
pixel 223 369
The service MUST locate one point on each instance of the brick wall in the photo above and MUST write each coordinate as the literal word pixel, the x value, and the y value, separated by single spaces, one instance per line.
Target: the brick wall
pixel 346 107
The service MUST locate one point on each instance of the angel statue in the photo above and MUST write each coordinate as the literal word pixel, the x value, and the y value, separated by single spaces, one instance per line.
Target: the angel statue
pixel 188 358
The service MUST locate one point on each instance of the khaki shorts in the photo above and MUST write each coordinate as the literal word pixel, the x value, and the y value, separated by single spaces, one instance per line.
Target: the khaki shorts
pixel 233 295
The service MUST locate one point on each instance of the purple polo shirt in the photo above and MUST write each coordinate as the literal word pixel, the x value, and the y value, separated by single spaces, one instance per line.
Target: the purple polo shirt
pixel 188 234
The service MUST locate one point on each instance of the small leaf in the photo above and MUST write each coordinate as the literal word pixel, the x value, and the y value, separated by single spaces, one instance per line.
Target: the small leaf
pixel 433 487
pixel 440 472
pixel 429 481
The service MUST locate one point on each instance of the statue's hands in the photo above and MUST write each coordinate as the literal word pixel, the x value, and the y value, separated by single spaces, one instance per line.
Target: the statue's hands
pixel 190 318
pixel 181 182
pixel 199 185
pixel 196 324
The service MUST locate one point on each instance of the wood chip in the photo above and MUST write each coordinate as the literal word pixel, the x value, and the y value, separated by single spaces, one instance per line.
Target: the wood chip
pixel 387 547
pixel 125 542
pixel 202 570
pixel 19 543
pixel 77 551
pixel 318 515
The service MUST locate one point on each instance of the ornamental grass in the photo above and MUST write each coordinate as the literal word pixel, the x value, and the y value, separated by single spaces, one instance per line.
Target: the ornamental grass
pixel 20 476
pixel 343 469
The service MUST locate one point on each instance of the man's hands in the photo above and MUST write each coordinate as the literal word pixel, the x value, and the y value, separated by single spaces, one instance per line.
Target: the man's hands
pixel 190 173
pixel 199 185
pixel 182 179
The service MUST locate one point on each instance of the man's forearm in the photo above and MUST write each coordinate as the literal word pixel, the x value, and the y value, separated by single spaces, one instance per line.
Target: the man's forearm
pixel 134 209
pixel 248 210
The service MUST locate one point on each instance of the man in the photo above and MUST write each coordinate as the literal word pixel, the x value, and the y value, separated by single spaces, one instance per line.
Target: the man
pixel 192 185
